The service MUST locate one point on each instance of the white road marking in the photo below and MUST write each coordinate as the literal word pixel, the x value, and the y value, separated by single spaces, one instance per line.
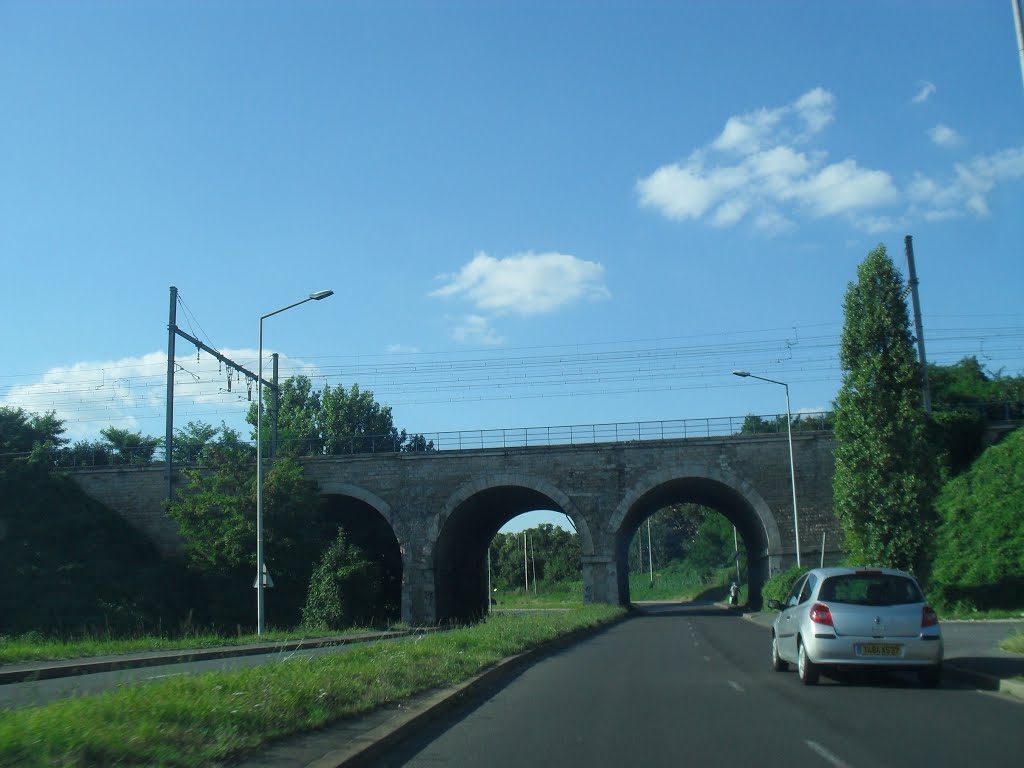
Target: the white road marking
pixel 825 754
pixel 734 684
pixel 707 658
pixel 161 677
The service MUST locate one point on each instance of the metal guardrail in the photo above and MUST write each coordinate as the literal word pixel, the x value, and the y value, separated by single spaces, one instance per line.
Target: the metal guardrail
pixel 620 432
pixel 516 437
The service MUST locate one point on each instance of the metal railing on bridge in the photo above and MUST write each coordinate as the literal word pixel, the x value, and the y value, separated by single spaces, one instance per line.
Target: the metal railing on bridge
pixel 1010 414
pixel 620 432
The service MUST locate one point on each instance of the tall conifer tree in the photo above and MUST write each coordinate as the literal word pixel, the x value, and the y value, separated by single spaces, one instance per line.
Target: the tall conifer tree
pixel 886 476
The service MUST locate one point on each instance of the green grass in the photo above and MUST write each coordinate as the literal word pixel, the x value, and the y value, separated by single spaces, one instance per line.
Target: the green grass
pixel 1014 643
pixel 33 647
pixel 197 720
pixel 958 613
pixel 674 582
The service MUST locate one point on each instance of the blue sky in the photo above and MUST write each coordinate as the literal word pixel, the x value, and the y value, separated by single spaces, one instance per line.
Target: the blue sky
pixel 531 213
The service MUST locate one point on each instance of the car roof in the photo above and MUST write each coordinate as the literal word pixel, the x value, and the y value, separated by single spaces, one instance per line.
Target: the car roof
pixel 847 571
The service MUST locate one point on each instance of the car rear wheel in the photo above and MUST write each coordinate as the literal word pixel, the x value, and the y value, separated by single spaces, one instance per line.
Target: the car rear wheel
pixel 930 677
pixel 806 668
pixel 778 663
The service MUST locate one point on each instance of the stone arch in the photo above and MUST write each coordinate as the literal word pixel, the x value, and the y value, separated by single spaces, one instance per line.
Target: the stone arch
pixel 713 487
pixel 392 561
pixel 469 518
pixel 501 479
pixel 365 496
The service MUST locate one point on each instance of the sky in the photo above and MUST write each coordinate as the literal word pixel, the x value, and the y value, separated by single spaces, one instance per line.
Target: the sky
pixel 531 213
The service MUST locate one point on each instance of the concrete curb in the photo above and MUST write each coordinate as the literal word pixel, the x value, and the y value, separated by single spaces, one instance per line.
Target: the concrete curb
pixel 372 745
pixel 984 681
pixel 48 670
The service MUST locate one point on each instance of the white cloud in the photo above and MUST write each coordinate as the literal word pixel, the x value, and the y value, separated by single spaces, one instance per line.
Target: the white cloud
pixel 772 223
pixel 747 133
pixel 476 330
pixel 131 393
pixel 763 169
pixel 924 92
pixel 401 349
pixel 679 193
pixel 526 283
pixel 944 136
pixel 816 108
pixel 845 186
pixel 968 190
pixel 760 170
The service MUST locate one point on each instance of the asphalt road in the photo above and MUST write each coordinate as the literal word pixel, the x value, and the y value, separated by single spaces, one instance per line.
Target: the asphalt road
pixel 691 685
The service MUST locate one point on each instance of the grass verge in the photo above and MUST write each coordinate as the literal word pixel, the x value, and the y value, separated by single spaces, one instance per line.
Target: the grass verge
pixel 1014 643
pixel 32 647
pixel 202 719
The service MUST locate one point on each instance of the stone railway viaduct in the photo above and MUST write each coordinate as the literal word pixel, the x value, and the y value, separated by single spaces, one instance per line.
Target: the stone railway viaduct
pixel 442 508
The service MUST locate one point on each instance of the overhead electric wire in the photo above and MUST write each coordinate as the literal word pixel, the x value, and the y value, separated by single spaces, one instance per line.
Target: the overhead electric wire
pixel 571 370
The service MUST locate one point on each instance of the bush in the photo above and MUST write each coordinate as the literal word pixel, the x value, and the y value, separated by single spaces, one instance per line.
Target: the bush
pixel 778 586
pixel 73 565
pixel 344 588
pixel 980 554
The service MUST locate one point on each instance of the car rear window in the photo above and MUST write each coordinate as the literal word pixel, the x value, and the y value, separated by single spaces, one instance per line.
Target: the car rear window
pixel 870 589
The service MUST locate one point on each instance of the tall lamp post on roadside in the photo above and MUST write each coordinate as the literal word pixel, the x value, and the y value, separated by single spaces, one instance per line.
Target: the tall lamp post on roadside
pixel 260 615
pixel 789 433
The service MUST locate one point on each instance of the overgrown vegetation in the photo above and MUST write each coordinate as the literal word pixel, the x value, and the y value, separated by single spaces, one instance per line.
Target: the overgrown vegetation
pixel 198 720
pixel 1014 643
pixel 778 586
pixel 72 566
pixel 980 554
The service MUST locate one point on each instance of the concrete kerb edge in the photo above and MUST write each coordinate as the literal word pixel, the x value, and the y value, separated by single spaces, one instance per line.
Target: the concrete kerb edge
pixel 72 668
pixel 979 680
pixel 365 749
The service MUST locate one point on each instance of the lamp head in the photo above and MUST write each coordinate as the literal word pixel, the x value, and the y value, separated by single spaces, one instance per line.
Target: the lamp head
pixel 320 295
pixel 744 374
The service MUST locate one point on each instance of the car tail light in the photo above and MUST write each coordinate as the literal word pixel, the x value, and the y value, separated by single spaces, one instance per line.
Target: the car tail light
pixel 929 618
pixel 820 614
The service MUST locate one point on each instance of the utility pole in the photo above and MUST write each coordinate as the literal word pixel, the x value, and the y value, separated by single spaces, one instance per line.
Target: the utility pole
pixel 172 325
pixel 526 564
pixel 172 332
pixel 533 562
pixel 736 550
pixel 926 393
pixel 1019 25
pixel 650 552
pixel 489 578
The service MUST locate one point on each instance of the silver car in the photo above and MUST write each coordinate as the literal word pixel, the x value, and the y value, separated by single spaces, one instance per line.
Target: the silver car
pixel 856 617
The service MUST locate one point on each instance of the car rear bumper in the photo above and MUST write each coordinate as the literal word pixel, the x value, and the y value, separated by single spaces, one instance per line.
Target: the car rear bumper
pixel 874 651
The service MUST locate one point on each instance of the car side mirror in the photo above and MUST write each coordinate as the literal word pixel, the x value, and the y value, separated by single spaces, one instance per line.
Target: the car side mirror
pixel 775 604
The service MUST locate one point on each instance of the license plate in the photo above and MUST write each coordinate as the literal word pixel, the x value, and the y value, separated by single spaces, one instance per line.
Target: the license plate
pixel 879 649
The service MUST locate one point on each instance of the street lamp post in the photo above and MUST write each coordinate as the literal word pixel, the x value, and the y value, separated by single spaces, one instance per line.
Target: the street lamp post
pixel 260 616
pixel 792 470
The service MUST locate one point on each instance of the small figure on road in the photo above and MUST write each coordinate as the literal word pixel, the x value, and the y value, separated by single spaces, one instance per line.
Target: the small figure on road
pixel 734 594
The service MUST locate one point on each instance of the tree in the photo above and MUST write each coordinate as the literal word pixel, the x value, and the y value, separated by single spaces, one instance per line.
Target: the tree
pixel 129 447
pixel 191 439
pixel 216 515
pixel 22 433
pixel 886 475
pixel 335 421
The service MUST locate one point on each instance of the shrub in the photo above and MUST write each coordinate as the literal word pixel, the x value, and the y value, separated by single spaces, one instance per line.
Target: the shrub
pixel 344 588
pixel 980 554
pixel 778 586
